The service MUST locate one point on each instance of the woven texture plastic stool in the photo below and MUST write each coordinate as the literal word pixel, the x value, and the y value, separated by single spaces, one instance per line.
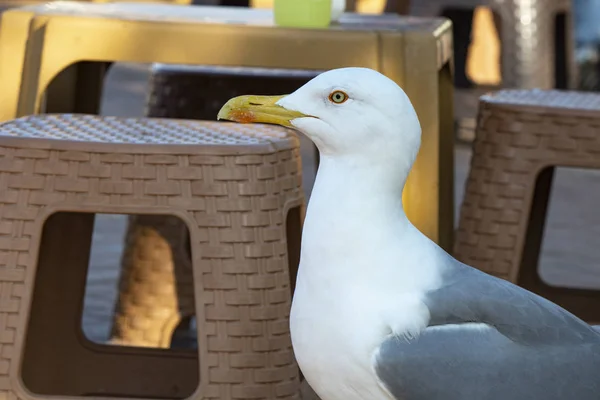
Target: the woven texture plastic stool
pixel 233 187
pixel 530 57
pixel 521 136
pixel 159 283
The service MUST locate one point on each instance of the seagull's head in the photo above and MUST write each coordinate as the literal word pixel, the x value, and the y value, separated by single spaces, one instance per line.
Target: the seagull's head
pixel 355 112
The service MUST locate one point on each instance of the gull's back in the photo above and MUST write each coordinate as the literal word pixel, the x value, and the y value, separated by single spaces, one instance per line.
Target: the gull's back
pixel 470 363
pixel 489 339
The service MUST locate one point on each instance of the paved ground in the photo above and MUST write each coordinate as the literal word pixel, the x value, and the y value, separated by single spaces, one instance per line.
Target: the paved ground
pixel 571 249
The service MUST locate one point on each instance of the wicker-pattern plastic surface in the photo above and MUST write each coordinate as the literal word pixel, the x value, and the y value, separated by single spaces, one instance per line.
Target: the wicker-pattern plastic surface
pixel 164 297
pixel 157 282
pixel 527 35
pixel 558 100
pixel 91 128
pixel 234 199
pixel 521 135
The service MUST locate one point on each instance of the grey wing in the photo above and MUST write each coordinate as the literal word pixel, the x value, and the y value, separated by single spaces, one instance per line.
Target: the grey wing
pixel 469 295
pixel 489 339
pixel 470 363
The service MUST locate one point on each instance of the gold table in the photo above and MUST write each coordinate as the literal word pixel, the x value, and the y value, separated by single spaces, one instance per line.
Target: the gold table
pixel 66 47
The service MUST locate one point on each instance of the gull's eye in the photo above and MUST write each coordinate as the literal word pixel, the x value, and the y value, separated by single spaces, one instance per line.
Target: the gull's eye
pixel 338 97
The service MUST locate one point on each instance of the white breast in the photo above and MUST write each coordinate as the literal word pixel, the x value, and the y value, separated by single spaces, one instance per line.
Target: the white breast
pixel 335 334
pixel 333 354
pixel 363 273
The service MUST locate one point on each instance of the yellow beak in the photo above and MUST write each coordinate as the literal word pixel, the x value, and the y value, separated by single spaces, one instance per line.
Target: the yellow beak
pixel 258 109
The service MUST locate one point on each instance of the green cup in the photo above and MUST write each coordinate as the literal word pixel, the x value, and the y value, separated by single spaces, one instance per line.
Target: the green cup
pixel 302 13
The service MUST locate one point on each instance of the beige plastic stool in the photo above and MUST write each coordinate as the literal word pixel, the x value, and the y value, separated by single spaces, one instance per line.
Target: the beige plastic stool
pixel 521 136
pixel 158 281
pixel 527 35
pixel 232 186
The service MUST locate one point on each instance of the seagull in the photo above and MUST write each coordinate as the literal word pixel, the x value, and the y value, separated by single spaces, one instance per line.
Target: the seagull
pixel 381 312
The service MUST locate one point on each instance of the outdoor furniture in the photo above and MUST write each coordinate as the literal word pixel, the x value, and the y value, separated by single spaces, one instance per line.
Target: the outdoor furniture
pixel 180 92
pixel 521 136
pixel 537 51
pixel 235 189
pixel 414 52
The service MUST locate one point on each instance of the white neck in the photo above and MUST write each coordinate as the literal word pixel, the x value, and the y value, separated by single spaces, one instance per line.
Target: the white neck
pixel 363 271
pixel 345 184
pixel 355 225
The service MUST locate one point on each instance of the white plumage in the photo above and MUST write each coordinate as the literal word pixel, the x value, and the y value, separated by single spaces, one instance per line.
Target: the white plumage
pixel 381 312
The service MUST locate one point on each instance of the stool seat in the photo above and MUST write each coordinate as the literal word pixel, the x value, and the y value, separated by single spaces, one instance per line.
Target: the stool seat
pixel 521 136
pixel 230 190
pixel 175 134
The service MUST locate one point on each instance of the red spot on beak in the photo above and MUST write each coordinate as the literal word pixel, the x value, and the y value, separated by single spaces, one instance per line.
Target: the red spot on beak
pixel 242 116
